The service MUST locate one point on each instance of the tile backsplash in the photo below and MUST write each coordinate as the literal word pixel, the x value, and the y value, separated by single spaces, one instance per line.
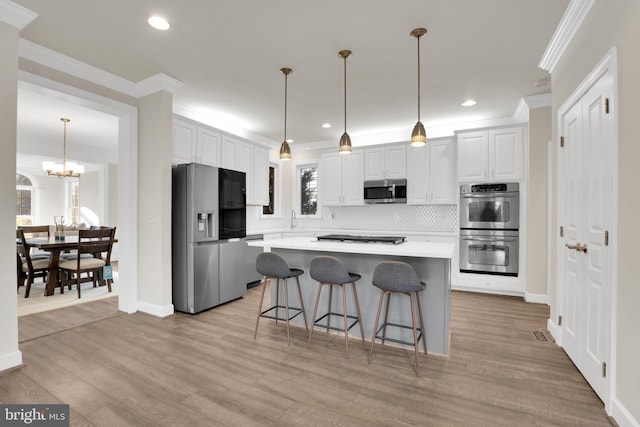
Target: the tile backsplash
pixel 392 217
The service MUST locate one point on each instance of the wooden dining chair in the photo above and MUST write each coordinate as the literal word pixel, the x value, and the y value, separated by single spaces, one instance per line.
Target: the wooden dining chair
pixel 28 268
pixel 33 231
pixel 99 244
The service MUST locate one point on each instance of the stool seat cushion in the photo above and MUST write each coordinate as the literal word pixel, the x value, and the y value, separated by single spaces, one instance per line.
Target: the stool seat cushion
pixel 394 276
pixel 273 265
pixel 327 269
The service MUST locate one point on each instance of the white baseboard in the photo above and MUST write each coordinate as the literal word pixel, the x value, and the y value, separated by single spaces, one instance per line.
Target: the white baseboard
pixel 553 330
pixel 536 298
pixel 10 360
pixel 622 417
pixel 155 310
pixel 495 291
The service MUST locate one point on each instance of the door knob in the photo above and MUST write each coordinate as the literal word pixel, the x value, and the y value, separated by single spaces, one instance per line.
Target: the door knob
pixel 578 247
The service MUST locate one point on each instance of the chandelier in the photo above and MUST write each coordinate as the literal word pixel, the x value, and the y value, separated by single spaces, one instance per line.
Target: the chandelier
pixel 66 169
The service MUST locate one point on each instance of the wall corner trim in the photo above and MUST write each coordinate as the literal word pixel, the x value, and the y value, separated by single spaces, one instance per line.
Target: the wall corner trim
pixel 10 360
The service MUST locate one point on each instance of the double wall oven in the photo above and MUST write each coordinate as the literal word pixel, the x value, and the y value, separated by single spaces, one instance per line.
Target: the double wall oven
pixel 489 228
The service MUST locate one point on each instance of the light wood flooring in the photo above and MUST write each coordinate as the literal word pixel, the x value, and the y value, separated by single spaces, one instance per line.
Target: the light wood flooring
pixel 207 370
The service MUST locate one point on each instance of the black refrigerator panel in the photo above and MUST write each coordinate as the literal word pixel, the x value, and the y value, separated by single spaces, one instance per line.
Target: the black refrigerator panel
pixel 232 203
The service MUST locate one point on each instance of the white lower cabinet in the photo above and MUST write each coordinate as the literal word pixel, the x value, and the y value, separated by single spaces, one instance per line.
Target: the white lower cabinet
pixel 430 173
pixel 341 179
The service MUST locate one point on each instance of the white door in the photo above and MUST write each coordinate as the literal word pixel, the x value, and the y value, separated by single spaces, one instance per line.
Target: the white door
pixel 473 156
pixel 585 197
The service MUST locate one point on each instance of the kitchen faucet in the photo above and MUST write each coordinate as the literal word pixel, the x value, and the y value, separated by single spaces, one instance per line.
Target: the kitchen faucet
pixel 293 218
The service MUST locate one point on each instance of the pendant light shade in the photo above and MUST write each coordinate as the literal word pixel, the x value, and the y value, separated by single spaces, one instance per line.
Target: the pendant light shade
pixel 285 151
pixel 418 136
pixel 345 140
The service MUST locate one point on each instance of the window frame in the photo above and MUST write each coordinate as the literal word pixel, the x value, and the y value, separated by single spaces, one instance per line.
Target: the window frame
pixel 296 199
pixel 32 189
pixel 68 194
pixel 277 189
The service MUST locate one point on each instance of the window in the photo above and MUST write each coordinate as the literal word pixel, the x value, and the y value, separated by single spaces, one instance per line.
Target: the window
pixel 307 180
pixel 270 208
pixel 73 202
pixel 24 193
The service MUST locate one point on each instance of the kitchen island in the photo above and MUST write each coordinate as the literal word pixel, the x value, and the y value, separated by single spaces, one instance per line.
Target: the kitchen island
pixel 431 260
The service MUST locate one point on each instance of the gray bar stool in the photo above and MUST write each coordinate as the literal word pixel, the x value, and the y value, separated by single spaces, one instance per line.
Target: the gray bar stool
pixel 329 271
pixel 398 277
pixel 273 266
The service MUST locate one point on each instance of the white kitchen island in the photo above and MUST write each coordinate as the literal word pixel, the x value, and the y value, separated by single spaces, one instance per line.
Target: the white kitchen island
pixel 431 260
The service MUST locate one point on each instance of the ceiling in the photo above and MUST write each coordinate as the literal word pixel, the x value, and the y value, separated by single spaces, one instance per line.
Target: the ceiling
pixel 228 54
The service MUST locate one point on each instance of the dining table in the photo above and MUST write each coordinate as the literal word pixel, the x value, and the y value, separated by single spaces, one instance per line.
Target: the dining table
pixel 55 246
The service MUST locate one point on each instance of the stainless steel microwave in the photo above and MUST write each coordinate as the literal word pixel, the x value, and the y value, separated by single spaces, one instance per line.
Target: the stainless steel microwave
pixel 385 191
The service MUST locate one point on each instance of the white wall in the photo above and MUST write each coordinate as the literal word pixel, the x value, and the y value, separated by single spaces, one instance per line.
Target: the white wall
pixel 10 355
pixel 91 192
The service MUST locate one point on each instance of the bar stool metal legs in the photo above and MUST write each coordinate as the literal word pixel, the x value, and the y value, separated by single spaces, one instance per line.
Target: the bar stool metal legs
pixel 272 266
pixel 329 271
pixel 396 277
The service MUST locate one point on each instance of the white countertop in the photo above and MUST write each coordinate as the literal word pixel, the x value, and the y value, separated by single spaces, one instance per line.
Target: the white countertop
pixel 408 249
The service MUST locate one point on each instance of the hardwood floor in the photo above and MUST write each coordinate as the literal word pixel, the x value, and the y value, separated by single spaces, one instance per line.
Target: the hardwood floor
pixel 207 370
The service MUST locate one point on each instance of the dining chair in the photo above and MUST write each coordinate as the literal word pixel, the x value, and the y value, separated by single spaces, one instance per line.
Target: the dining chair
pixel 29 268
pixel 97 243
pixel 33 231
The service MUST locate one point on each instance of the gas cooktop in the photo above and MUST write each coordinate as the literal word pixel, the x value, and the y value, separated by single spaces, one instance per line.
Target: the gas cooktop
pixel 394 240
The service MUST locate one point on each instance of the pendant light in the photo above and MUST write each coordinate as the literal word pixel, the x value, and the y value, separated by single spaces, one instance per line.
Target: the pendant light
pixel 418 136
pixel 66 169
pixel 285 151
pixel 345 141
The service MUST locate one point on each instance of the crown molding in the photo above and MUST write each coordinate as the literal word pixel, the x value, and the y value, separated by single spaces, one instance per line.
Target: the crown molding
pixel 224 126
pixel 16 15
pixel 157 83
pixel 569 23
pixel 66 64
pixel 403 135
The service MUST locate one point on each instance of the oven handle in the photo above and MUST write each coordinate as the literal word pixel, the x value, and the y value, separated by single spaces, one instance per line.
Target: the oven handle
pixel 488 239
pixel 487 196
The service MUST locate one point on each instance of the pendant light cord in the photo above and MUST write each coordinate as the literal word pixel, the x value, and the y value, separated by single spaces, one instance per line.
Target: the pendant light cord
pixel 345 94
pixel 418 78
pixel 286 76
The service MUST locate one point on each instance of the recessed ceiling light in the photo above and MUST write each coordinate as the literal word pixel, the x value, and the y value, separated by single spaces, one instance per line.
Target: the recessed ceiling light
pixel 326 125
pixel 468 103
pixel 159 23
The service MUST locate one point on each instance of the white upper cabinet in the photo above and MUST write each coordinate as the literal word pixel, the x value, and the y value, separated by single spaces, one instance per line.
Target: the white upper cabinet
pixel 201 144
pixel 260 174
pixel 342 178
pixel 208 147
pixel 506 153
pixel 442 184
pixel 192 143
pixel 228 152
pixel 183 142
pixel 490 155
pixel 430 173
pixel 385 162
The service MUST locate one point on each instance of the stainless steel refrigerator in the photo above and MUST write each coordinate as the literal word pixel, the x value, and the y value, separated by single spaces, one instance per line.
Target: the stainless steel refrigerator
pixel 208 230
pixel 195 237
